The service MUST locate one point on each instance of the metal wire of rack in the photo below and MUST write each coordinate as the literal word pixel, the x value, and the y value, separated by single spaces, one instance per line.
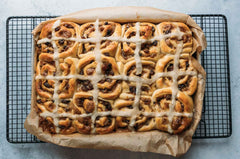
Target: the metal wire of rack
pixel 216 119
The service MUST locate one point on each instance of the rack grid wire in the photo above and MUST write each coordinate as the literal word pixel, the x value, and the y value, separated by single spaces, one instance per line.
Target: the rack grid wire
pixel 216 119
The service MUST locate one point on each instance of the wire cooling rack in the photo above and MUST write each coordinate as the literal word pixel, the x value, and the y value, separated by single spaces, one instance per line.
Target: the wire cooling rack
pixel 216 116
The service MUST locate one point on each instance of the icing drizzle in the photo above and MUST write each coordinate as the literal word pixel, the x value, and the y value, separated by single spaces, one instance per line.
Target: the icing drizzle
pixel 98 76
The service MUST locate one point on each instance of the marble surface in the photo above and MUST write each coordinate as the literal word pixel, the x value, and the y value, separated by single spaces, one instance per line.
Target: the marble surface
pixel 204 148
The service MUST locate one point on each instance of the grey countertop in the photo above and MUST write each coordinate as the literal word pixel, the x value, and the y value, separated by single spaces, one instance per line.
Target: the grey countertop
pixel 201 148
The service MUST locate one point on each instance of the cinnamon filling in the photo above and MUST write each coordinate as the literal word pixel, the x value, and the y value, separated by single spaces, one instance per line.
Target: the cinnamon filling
pixel 166 96
pixel 86 47
pixel 132 89
pixel 46 125
pixel 167 29
pixel 57 28
pixel 146 71
pixel 65 33
pixel 146 31
pixel 155 43
pixel 110 29
pixel 145 88
pixel 45 48
pixel 176 123
pixel 64 45
pixel 90 71
pixel 131 69
pixel 164 120
pixel 65 101
pixel 131 35
pixel 182 29
pixel 146 49
pixel 129 25
pixel 85 85
pixel 66 71
pixel 65 123
pixel 105 43
pixel 86 128
pixel 122 123
pixel 61 42
pixel 182 107
pixel 146 101
pixel 86 103
pixel 126 55
pixel 46 84
pixel 138 126
pixel 106 90
pixel 39 45
pixel 88 30
pixel 105 123
pixel 65 48
pixel 107 69
pixel 169 67
pixel 186 38
pixel 183 65
pixel 39 101
pixel 168 42
pixel 109 32
pixel 48 44
pixel 49 35
pixel 106 104
pixel 184 86
pixel 49 69
pixel 68 26
pixel 86 121
pixel 64 86
pixel 125 120
pixel 47 103
pixel 65 105
pixel 51 106
pixel 105 80
pixel 151 73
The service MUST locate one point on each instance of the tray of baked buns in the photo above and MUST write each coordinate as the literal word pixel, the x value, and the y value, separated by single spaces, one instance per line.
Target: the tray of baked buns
pixel 216 113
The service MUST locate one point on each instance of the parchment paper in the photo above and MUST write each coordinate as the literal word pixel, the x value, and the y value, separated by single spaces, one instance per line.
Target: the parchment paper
pixel 152 141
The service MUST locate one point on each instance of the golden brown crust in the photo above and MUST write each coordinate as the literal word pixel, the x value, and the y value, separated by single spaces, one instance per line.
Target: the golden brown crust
pixel 147 69
pixel 83 125
pixel 107 29
pixel 66 88
pixel 149 50
pixel 144 123
pixel 45 88
pixel 186 83
pixel 83 103
pixel 109 89
pixel 65 47
pixel 68 66
pixel 127 49
pixel 105 124
pixel 47 125
pixel 44 104
pixel 156 98
pixel 65 125
pixel 122 122
pixel 46 68
pixel 169 44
